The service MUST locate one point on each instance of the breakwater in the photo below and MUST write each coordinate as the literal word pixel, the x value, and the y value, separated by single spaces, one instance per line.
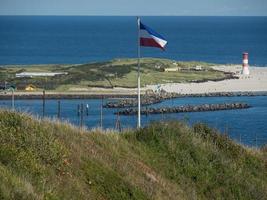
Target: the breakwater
pixel 186 108
pixel 155 98
pixel 54 95
pixel 146 99
pixel 124 103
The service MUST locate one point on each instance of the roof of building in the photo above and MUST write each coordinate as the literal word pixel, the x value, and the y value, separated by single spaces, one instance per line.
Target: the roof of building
pixel 31 74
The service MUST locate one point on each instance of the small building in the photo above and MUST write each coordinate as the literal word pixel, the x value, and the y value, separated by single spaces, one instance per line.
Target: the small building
pixel 39 74
pixel 172 69
pixel 198 68
pixel 30 87
pixel 157 66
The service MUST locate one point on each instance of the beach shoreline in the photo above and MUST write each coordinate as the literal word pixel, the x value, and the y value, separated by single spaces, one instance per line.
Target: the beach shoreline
pixel 253 83
pixel 49 95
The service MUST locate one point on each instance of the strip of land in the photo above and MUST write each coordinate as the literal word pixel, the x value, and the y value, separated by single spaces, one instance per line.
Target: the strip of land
pixel 253 83
pixel 117 79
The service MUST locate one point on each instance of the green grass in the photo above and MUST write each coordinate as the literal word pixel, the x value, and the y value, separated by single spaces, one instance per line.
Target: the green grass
pixel 40 159
pixel 119 72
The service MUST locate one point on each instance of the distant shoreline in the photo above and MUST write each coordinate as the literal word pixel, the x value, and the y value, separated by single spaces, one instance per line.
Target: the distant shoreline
pixel 254 84
pixel 49 95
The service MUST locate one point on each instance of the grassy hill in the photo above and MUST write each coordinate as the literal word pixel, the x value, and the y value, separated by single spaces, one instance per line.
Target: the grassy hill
pixel 114 73
pixel 40 159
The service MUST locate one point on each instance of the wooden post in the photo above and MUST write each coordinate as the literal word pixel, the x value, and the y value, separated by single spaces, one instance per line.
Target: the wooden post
pixel 43 103
pixel 81 122
pixel 58 109
pixel 226 130
pixel 118 123
pixel 101 113
pixel 87 110
pixel 256 140
pixel 13 100
pixel 78 110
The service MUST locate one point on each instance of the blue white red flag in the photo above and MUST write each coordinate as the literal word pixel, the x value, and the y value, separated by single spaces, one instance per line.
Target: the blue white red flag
pixel 150 38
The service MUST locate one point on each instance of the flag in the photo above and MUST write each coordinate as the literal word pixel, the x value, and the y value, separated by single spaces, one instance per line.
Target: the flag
pixel 150 38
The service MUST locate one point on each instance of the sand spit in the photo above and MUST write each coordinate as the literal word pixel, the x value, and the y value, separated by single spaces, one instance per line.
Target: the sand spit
pixel 255 82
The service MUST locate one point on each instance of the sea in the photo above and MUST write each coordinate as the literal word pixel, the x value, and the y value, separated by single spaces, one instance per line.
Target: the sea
pixel 26 40
pixel 247 126
pixel 82 39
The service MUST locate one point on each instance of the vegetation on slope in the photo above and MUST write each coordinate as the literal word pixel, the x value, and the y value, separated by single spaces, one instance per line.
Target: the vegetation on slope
pixel 40 159
pixel 115 73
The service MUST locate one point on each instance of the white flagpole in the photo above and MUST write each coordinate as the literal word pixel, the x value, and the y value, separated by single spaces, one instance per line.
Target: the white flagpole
pixel 138 75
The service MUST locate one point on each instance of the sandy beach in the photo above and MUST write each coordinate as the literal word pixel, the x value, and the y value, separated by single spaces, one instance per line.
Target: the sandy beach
pixel 255 82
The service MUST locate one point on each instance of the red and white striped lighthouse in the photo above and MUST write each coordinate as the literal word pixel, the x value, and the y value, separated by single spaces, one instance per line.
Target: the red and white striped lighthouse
pixel 245 70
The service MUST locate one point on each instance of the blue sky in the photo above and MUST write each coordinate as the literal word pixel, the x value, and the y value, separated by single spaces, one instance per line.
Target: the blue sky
pixel 135 7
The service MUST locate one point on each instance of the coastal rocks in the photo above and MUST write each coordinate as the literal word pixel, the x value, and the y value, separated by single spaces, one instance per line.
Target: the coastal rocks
pixel 225 94
pixel 186 108
pixel 38 95
pixel 124 103
pixel 147 99
pixel 154 98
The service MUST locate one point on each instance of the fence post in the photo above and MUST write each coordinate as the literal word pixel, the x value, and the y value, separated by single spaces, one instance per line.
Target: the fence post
pixel 81 122
pixel 58 109
pixel 226 130
pixel 101 113
pixel 78 110
pixel 256 140
pixel 87 110
pixel 13 101
pixel 43 103
pixel 118 122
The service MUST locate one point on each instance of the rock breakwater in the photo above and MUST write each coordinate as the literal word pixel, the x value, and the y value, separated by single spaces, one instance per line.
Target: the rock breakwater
pixel 186 108
pixel 147 99
pixel 154 98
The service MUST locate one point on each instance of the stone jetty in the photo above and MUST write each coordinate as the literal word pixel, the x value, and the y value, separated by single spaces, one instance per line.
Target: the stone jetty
pixel 124 103
pixel 59 95
pixel 154 98
pixel 146 99
pixel 186 108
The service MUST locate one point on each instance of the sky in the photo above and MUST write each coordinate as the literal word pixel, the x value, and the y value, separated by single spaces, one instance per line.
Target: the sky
pixel 135 7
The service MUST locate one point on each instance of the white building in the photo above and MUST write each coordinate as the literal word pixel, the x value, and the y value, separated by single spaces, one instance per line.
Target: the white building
pixel 172 69
pixel 39 74
pixel 198 68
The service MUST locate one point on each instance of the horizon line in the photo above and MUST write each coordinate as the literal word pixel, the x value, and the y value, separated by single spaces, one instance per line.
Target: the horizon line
pixel 55 15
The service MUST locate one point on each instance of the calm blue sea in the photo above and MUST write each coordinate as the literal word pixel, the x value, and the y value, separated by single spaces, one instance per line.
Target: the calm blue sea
pixel 245 125
pixel 43 40
pixel 70 39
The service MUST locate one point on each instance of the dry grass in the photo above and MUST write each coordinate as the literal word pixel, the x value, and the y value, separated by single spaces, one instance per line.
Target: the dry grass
pixel 43 159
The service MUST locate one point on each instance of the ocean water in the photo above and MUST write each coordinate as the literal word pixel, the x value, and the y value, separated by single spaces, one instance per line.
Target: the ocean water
pixel 70 39
pixel 44 40
pixel 249 125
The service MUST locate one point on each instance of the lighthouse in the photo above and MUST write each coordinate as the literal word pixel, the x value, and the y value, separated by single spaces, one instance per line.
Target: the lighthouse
pixel 245 70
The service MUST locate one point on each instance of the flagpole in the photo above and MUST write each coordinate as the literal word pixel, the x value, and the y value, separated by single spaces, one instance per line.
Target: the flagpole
pixel 138 75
